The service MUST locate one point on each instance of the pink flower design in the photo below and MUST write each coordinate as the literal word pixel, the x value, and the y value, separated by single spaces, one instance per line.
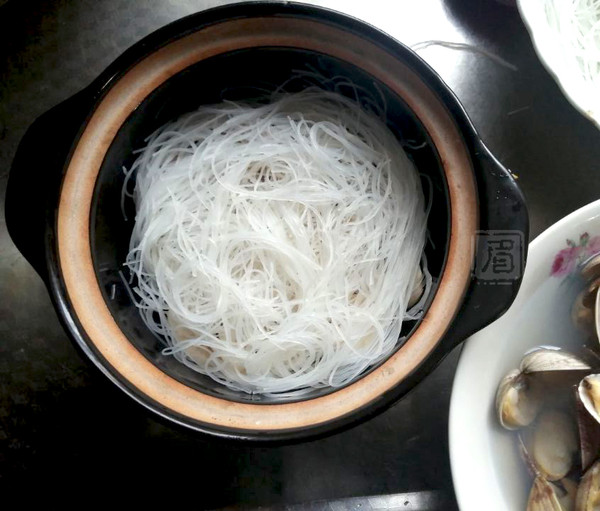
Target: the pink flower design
pixel 565 261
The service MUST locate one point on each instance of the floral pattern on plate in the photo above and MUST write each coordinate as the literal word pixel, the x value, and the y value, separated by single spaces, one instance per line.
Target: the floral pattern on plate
pixel 567 259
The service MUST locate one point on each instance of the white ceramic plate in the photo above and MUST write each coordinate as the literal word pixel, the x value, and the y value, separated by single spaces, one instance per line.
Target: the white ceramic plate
pixel 560 64
pixel 486 469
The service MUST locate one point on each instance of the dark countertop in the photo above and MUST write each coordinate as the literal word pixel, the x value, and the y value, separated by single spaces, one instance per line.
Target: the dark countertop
pixel 61 422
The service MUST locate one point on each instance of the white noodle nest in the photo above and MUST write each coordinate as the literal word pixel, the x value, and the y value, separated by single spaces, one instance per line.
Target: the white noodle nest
pixel 567 36
pixel 276 246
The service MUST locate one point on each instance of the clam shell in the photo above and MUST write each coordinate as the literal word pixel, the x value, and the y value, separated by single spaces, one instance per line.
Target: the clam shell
pixel 597 315
pixel 591 291
pixel 590 268
pixel 517 401
pixel 582 314
pixel 543 496
pixel 567 500
pixel 551 445
pixel 524 440
pixel 588 493
pixel 589 393
pixel 549 359
pixel 589 434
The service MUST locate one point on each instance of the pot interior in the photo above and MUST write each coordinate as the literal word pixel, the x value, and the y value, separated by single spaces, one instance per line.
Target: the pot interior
pixel 239 75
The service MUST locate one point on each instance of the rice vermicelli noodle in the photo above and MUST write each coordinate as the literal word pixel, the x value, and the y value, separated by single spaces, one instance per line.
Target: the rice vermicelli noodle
pixel 276 246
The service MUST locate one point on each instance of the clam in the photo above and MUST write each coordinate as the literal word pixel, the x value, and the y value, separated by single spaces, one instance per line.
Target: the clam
pixel 581 314
pixel 589 393
pixel 544 496
pixel 590 268
pixel 547 496
pixel 523 443
pixel 559 437
pixel 597 315
pixel 550 359
pixel 554 373
pixel 588 493
pixel 517 400
pixel 589 434
pixel 584 311
pixel 550 446
pixel 544 371
pixel 567 500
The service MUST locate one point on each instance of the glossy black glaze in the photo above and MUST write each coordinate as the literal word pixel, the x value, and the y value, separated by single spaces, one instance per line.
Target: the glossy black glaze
pixel 34 181
pixel 482 304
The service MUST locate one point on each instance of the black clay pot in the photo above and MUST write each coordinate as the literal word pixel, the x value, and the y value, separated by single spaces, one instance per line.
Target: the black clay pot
pixel 63 212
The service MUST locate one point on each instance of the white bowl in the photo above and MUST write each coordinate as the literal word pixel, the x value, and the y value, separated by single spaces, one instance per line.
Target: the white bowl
pixel 486 468
pixel 560 64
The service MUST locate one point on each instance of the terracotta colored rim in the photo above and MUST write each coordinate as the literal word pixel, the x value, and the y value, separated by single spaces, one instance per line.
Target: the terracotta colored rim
pixel 73 229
